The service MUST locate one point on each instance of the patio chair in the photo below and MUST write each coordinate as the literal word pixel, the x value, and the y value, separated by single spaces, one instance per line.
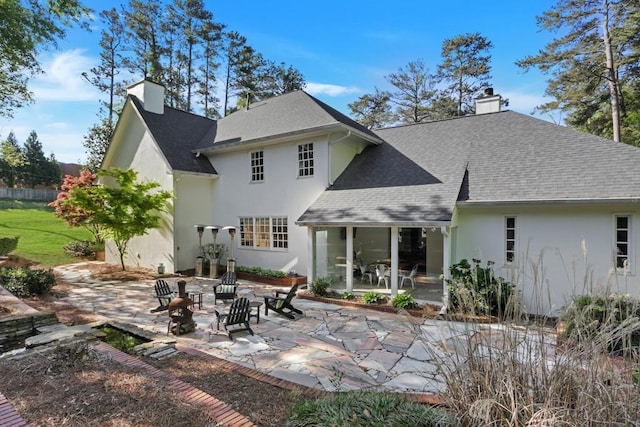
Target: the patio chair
pixel 383 275
pixel 238 314
pixel 226 289
pixel 365 272
pixel 164 295
pixel 411 277
pixel 282 305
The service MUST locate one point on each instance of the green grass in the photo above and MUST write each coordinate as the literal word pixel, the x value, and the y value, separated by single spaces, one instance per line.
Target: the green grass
pixel 42 234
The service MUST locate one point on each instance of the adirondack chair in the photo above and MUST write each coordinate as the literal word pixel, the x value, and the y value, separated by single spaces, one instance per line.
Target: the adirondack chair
pixel 238 314
pixel 164 295
pixel 226 289
pixel 282 305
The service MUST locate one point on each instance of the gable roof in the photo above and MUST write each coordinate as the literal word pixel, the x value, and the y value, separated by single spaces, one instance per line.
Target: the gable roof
pixel 422 171
pixel 291 114
pixel 178 133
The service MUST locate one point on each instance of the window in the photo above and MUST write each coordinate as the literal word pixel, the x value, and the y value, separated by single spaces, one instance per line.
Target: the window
pixel 623 239
pixel 280 233
pixel 257 166
pixel 510 239
pixel 264 232
pixel 305 160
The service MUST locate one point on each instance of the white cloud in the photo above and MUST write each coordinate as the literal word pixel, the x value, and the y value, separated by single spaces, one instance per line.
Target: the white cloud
pixel 62 79
pixel 330 90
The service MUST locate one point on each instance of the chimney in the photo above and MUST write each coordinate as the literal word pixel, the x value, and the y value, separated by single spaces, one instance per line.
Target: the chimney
pixel 488 102
pixel 151 95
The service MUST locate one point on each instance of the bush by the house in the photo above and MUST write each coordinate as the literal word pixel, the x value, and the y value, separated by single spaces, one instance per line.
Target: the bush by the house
pixel 403 301
pixel 79 248
pixel 476 290
pixel 26 282
pixel 372 297
pixel 259 271
pixel 320 286
pixel 616 317
pixel 357 408
pixel 8 244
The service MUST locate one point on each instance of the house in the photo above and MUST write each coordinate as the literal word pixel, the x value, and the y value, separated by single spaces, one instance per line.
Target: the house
pixel 311 190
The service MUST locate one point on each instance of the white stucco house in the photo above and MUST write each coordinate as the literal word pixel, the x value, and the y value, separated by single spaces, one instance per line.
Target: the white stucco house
pixel 311 190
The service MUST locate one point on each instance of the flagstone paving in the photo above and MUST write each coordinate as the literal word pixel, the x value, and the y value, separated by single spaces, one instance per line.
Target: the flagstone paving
pixel 330 347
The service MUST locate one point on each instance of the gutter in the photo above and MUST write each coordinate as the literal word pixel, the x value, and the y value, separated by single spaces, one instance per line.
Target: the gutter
pixel 375 224
pixel 620 200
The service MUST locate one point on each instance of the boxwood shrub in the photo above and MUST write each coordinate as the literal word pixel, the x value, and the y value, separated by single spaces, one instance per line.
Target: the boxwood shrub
pixel 8 244
pixel 25 281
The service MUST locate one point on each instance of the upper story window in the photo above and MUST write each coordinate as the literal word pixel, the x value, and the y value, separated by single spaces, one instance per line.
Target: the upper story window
pixel 257 166
pixel 623 241
pixel 264 232
pixel 510 239
pixel 305 160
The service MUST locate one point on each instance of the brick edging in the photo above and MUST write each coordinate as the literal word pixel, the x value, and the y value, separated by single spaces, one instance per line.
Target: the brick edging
pixel 9 416
pixel 220 411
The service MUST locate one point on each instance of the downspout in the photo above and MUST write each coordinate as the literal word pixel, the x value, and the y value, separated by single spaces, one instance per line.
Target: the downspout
pixel 345 136
pixel 446 274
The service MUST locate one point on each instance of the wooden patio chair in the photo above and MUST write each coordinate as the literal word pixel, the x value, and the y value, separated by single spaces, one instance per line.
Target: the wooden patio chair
pixel 282 305
pixel 238 314
pixel 226 289
pixel 164 295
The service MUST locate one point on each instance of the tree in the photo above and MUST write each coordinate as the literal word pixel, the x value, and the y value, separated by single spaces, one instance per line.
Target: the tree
pixel 37 169
pixel 593 65
pixel 27 28
pixel 465 68
pixel 281 79
pixel 13 160
pixel 234 44
pixel 372 110
pixel 74 214
pixel 125 210
pixel 415 91
pixel 97 141
pixel 142 26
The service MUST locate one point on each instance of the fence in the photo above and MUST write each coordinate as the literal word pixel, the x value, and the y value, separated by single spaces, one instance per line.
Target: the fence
pixel 34 194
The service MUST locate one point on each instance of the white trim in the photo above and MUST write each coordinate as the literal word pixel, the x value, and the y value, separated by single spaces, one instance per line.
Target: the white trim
pixel 630 255
pixel 507 239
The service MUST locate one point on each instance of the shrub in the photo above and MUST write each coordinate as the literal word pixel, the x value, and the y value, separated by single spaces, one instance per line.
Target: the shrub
pixel 320 286
pixel 357 408
pixel 8 244
pixel 348 295
pixel 403 301
pixel 590 317
pixel 476 290
pixel 372 297
pixel 259 271
pixel 26 282
pixel 79 248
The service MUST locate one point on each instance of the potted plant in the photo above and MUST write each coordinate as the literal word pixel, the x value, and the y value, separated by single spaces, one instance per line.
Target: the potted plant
pixel 98 250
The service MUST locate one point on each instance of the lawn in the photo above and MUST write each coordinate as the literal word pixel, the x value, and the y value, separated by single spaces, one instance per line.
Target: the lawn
pixel 42 234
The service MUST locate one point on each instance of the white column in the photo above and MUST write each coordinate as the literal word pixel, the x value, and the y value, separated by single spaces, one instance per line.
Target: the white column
pixel 446 262
pixel 394 261
pixel 310 255
pixel 349 268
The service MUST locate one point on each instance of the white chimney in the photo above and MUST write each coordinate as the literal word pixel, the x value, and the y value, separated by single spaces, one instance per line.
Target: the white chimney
pixel 150 94
pixel 488 102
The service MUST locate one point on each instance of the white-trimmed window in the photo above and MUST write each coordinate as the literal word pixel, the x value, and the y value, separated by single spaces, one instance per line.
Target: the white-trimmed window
pixel 510 239
pixel 623 241
pixel 264 232
pixel 305 160
pixel 257 166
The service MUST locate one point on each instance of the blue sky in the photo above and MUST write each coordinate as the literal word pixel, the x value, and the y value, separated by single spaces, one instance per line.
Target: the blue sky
pixel 343 48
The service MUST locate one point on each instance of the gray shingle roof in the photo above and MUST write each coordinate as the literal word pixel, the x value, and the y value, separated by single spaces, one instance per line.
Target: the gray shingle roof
pixel 291 113
pixel 177 134
pixel 421 171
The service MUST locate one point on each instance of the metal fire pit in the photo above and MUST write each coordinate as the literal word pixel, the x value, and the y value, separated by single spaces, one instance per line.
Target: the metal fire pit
pixel 181 312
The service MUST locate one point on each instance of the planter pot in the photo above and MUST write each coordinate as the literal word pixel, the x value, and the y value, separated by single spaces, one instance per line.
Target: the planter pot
pixel 99 255
pixel 276 281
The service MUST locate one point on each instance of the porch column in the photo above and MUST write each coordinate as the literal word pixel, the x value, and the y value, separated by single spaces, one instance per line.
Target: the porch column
pixel 446 262
pixel 349 268
pixel 310 255
pixel 394 261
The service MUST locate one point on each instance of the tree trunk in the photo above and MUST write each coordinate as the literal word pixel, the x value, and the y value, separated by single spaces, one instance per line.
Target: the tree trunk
pixel 612 76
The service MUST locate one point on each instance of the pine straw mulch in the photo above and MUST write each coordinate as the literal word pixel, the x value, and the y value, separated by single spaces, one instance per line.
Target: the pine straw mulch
pixel 81 388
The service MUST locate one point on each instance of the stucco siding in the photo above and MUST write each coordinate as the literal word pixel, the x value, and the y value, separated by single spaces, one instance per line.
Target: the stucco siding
pixel 194 205
pixel 139 152
pixel 561 251
pixel 281 193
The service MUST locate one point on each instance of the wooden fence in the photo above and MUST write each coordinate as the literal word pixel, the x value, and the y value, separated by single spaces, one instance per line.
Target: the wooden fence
pixel 34 194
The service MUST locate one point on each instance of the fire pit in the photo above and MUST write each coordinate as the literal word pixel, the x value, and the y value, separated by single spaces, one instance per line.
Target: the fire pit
pixel 181 312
